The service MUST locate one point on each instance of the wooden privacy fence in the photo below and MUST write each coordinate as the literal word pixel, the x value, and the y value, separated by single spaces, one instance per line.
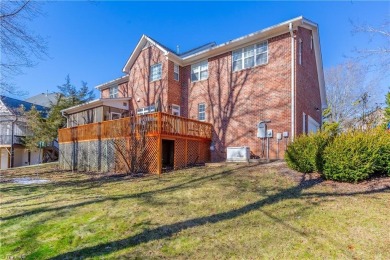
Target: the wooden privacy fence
pixel 116 141
pixel 150 125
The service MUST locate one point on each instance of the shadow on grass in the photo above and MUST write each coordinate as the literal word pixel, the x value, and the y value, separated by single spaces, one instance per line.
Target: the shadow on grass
pixel 186 184
pixel 167 231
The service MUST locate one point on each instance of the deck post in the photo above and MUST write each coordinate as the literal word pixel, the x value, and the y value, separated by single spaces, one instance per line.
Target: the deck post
pixel 159 145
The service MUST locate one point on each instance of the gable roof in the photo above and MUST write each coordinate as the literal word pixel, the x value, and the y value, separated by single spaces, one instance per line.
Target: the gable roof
pixel 113 83
pixel 212 50
pixel 44 99
pixel 13 106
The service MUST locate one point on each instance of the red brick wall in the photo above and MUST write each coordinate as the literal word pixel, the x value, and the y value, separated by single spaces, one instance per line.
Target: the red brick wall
pixel 140 88
pixel 237 101
pixel 307 86
pixel 174 87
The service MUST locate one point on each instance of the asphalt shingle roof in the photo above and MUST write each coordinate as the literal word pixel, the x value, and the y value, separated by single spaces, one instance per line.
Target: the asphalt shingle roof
pixel 14 104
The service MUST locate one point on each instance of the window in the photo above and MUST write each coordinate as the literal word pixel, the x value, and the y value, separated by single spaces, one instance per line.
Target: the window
pixel 114 92
pixel 146 110
pixel 250 56
pixel 176 72
pixel 114 115
pixel 155 72
pixel 201 112
pixel 175 110
pixel 312 126
pixel 311 42
pixel 300 52
pixel 304 123
pixel 200 71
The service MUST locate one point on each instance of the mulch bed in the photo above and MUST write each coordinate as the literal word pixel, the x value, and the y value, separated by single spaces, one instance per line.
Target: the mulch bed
pixel 375 183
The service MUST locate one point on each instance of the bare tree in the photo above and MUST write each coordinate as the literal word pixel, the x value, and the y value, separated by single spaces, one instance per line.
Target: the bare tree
pixel 348 93
pixel 20 48
pixel 377 55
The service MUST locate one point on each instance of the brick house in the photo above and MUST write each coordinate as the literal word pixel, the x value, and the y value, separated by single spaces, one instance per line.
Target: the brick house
pixel 274 74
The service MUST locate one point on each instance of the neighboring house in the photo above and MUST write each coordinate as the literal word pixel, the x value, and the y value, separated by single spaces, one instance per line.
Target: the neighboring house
pixel 274 74
pixel 12 130
pixel 371 119
pixel 44 99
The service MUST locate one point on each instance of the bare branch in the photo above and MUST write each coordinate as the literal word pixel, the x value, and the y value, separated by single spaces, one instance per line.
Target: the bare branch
pixel 15 12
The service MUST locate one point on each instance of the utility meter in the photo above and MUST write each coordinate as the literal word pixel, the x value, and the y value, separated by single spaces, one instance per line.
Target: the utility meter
pixel 269 133
pixel 262 130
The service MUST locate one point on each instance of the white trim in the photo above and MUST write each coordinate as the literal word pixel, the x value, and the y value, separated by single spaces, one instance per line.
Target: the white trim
pixel 112 102
pixel 138 49
pixel 215 50
pixel 115 113
pixel 114 82
pixel 291 29
pixel 303 123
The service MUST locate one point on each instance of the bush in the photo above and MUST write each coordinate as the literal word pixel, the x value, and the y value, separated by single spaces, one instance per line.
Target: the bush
pixel 356 156
pixel 305 153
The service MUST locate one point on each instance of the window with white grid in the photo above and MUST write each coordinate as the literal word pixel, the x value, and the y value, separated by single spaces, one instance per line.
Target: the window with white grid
pixel 176 72
pixel 155 72
pixel 250 56
pixel 200 71
pixel 202 112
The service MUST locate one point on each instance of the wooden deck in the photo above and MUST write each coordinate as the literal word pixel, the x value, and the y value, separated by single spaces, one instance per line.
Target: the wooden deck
pixel 151 125
pixel 191 141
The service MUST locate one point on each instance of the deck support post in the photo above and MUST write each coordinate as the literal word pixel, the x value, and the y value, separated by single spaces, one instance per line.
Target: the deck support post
pixel 159 145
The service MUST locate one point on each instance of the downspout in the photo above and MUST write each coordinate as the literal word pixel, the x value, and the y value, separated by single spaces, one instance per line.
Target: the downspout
pixel 290 28
pixel 65 116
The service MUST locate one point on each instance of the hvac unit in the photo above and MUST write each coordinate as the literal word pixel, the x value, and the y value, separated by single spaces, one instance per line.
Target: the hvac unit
pixel 238 154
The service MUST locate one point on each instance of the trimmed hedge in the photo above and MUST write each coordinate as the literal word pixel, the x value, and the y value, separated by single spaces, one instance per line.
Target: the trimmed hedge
pixel 348 157
pixel 305 153
pixel 356 156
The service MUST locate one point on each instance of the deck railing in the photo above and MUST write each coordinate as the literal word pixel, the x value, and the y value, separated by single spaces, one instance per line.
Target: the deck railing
pixel 151 124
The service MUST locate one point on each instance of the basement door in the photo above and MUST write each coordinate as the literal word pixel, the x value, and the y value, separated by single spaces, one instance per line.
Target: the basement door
pixel 168 153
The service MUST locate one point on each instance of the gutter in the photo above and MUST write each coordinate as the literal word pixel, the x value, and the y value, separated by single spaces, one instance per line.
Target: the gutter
pixel 290 28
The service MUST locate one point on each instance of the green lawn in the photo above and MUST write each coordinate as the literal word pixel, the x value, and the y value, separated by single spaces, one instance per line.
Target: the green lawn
pixel 235 211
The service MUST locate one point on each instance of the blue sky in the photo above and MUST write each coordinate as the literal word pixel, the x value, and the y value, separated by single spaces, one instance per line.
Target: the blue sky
pixel 91 40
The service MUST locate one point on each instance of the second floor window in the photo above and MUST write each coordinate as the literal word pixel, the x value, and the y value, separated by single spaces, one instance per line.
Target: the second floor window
pixel 200 71
pixel 114 92
pixel 300 52
pixel 146 110
pixel 250 56
pixel 176 72
pixel 201 111
pixel 155 72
